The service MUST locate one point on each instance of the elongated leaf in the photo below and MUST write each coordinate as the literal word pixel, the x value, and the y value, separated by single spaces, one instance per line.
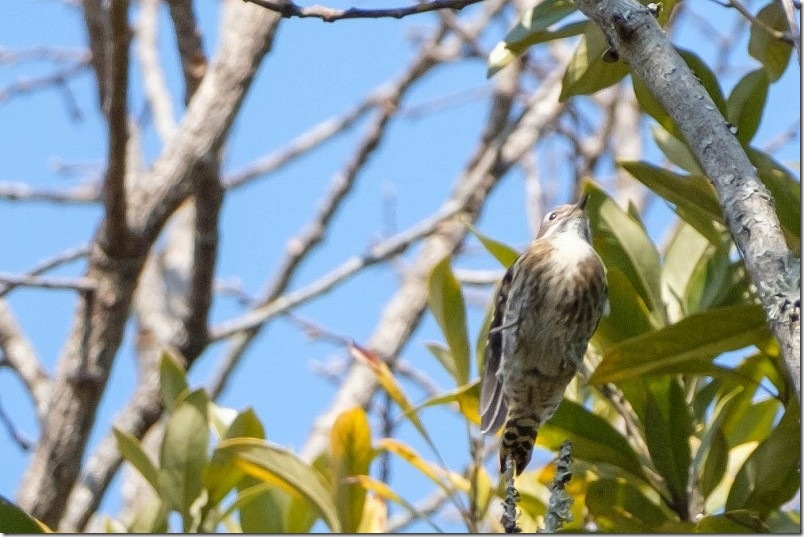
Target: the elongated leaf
pixel 708 79
pixel 172 379
pixel 730 522
pixel 272 464
pixel 501 252
pixel 593 438
pixel 262 506
pixel 184 453
pixel 132 451
pixel 446 302
pixel 675 150
pixel 685 347
pixel 715 462
pixel 770 476
pixel 693 195
pixel 786 192
pixel 350 454
pixel 530 30
pixel 746 103
pixel 667 430
pixel 772 52
pixel 622 242
pixel 386 379
pixel 375 515
pixel 685 257
pixel 444 357
pixel 618 506
pixel 15 520
pixel 587 72
pixel 387 493
pixel 411 456
pixel 246 424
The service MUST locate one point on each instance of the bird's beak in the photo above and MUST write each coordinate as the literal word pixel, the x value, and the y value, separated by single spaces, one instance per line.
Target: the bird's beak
pixel 582 202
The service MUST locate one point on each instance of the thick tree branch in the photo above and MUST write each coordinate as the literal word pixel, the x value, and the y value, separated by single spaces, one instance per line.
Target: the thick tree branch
pixel 746 202
pixel 327 14
pixel 153 76
pixel 115 231
pixel 84 366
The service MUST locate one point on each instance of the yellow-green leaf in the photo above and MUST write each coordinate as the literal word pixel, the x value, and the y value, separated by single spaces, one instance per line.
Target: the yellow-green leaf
pixel 183 453
pixel 446 302
pixel 172 379
pixel 501 252
pixel 350 454
pixel 618 506
pixel 132 451
pixel 15 520
pixel 746 103
pixel 685 347
pixel 587 72
pixel 275 465
pixel 772 52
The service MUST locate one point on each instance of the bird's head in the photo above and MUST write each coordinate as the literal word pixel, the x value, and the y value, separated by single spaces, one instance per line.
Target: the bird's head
pixel 569 218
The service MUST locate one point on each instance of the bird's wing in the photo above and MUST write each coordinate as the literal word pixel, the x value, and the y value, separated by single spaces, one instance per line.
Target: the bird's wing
pixel 493 408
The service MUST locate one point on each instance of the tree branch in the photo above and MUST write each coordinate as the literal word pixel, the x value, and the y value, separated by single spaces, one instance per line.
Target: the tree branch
pixel 746 202
pixel 115 230
pixel 327 14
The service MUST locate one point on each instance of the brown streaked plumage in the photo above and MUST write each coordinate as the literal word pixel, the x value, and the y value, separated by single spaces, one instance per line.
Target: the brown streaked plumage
pixel 546 309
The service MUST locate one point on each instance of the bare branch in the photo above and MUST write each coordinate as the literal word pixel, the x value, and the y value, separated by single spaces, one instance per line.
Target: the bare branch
pixel 115 231
pixel 191 50
pixel 746 202
pixel 83 285
pixel 58 78
pixel 303 143
pixel 153 76
pixel 24 443
pixel 96 18
pixel 50 263
pixel 84 366
pixel 22 358
pixel 86 193
pixel 327 14
pixel 792 23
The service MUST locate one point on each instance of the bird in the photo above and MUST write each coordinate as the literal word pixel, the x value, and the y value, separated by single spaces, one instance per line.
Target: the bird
pixel 546 309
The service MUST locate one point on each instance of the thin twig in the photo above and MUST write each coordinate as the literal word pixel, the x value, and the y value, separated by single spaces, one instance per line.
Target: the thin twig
pixel 792 23
pixel 50 263
pixel 328 14
pixel 47 282
pixel 24 443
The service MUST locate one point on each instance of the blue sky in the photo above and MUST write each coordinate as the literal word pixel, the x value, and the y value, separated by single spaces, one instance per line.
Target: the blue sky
pixel 315 71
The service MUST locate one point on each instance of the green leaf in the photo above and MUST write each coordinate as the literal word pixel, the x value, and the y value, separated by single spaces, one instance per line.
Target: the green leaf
pixel 754 423
pixel 444 357
pixel 446 302
pixel 685 254
pixel 772 52
pixel 593 438
pixel 737 521
pixel 350 454
pixel 618 506
pixel 746 103
pixel 172 379
pixel 275 465
pixel 532 29
pixel 786 192
pixel 150 517
pixel 501 252
pixel 651 106
pixel 685 347
pixel 668 426
pixel 246 424
pixel 693 195
pixel 15 520
pixel 587 72
pixel 770 476
pixel 629 316
pixel 675 150
pixel 622 242
pixel 715 461
pixel 262 507
pixel 132 451
pixel 184 453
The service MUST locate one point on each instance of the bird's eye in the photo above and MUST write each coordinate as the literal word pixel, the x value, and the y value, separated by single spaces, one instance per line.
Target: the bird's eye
pixel 552 216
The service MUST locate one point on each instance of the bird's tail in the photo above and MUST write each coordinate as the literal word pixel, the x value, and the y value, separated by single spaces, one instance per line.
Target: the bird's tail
pixel 517 440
